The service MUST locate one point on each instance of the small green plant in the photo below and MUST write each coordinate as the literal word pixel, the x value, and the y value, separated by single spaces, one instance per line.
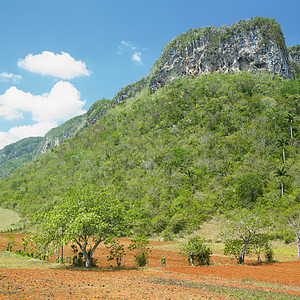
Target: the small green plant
pixel 269 255
pixel 116 250
pixel 10 242
pixel 163 261
pixel 196 251
pixel 139 245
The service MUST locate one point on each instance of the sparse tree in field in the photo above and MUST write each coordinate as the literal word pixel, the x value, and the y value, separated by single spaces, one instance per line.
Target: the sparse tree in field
pixel 116 250
pixel 245 225
pixel 196 251
pixel 140 246
pixel 88 216
pixel 259 243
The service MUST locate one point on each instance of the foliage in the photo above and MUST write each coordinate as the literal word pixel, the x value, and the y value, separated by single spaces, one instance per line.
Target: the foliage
pixel 178 156
pixel 245 225
pixel 15 155
pixel 10 242
pixel 259 243
pixel 140 246
pixel 196 251
pixel 116 250
pixel 86 216
pixel 233 247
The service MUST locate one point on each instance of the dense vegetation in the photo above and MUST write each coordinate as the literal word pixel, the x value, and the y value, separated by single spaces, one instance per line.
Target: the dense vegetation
pixel 17 154
pixel 193 149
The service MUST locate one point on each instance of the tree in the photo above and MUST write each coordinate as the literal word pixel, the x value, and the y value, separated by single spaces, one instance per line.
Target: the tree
pixel 282 142
pixel 281 173
pixel 245 225
pixel 260 243
pixel 86 216
pixel 116 250
pixel 196 251
pixel 291 219
pixel 290 119
pixel 140 246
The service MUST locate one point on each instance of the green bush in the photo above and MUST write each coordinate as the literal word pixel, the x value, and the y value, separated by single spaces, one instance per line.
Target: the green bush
pixel 196 251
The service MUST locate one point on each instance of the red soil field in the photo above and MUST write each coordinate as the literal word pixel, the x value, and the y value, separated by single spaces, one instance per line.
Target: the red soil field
pixel 177 280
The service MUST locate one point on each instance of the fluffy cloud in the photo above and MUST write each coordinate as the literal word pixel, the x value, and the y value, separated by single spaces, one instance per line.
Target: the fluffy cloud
pixel 59 65
pixel 5 77
pixel 62 103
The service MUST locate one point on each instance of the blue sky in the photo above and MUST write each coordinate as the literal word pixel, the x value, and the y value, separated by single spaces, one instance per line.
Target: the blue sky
pixel 59 56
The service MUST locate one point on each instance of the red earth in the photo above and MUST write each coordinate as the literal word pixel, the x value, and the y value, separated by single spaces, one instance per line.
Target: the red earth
pixel 221 280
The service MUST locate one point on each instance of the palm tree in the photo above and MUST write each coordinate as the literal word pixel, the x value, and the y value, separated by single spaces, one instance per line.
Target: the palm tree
pixel 290 119
pixel 281 143
pixel 281 173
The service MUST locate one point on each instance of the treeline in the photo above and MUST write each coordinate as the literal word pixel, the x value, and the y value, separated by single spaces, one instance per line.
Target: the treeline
pixel 193 149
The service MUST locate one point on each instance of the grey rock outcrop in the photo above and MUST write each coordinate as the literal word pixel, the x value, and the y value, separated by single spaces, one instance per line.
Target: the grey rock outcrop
pixel 252 45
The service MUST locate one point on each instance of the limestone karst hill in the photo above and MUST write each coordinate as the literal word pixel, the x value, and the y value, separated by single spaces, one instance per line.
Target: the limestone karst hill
pixel 250 45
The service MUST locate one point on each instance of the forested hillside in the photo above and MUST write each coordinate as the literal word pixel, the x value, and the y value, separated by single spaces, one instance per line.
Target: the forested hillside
pixel 17 154
pixel 193 149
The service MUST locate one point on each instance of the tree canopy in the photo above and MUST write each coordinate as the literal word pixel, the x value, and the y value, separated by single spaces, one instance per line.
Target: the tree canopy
pixel 86 216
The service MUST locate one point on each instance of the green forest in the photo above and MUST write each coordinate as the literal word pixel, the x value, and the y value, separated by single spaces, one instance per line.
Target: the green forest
pixel 200 147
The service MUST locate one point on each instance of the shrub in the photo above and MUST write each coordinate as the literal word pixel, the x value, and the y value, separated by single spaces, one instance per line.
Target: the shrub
pixel 139 245
pixel 196 251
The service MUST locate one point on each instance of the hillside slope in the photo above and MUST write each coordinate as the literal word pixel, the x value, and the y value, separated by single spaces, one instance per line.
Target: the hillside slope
pixel 180 155
pixel 248 45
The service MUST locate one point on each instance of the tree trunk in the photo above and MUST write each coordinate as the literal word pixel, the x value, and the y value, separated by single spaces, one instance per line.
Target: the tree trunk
pixel 191 260
pixel 283 155
pixel 281 188
pixel 291 130
pixel 61 259
pixel 242 255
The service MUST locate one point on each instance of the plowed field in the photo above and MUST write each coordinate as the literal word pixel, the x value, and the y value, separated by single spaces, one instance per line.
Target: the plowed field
pixel 177 280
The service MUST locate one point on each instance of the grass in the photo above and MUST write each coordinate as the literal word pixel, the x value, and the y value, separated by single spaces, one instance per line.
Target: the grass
pixel 9 260
pixel 8 219
pixel 219 291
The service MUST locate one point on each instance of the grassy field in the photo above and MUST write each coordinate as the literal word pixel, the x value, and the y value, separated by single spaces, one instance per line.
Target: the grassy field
pixel 10 260
pixel 8 219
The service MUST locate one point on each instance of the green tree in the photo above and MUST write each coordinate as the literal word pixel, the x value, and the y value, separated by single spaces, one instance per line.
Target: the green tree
pixel 196 251
pixel 116 250
pixel 87 217
pixel 281 173
pixel 244 224
pixel 140 246
pixel 282 142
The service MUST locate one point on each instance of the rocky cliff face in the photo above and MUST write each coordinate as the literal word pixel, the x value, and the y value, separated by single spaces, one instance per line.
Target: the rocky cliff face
pixel 60 134
pixel 253 45
pixel 295 58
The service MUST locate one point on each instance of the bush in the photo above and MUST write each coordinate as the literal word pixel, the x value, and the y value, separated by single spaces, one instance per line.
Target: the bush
pixel 139 245
pixel 269 255
pixel 196 252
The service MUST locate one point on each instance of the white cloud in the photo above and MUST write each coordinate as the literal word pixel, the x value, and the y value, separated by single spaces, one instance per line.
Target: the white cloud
pixel 58 65
pixel 20 132
pixel 137 57
pixel 5 77
pixel 62 103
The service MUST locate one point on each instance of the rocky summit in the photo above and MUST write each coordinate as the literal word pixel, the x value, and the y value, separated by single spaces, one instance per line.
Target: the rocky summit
pixel 248 45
